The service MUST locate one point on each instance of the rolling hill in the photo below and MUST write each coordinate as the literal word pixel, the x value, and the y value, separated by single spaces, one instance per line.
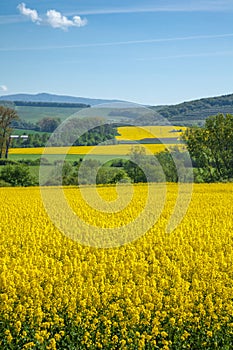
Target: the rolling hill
pixel 196 111
pixel 34 107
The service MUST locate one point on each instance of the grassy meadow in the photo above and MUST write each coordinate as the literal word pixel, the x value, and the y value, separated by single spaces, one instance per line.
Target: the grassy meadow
pixel 34 114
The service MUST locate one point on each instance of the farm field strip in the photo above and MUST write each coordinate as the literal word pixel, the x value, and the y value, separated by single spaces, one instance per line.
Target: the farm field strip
pixel 139 133
pixel 95 150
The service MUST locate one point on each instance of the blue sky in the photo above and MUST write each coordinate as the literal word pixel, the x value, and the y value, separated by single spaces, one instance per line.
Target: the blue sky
pixel 149 52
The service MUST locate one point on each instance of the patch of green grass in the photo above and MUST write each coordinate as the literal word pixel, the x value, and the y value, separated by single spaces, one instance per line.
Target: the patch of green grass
pixel 34 114
pixel 68 158
pixel 17 157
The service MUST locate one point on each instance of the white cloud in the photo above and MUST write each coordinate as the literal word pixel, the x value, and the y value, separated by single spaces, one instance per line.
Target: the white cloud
pixel 197 6
pixel 79 22
pixel 53 18
pixel 57 20
pixel 3 88
pixel 32 14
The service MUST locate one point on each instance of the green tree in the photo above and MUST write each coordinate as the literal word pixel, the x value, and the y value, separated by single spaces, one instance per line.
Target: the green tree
pixel 48 124
pixel 211 148
pixel 7 116
pixel 142 167
pixel 17 175
pixel 134 167
pixel 109 175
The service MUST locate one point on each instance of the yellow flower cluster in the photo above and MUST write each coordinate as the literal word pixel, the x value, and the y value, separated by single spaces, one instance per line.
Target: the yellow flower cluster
pixel 139 133
pixel 161 291
pixel 123 149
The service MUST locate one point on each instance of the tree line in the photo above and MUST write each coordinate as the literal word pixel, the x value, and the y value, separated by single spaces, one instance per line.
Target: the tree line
pixel 138 168
pixel 210 148
pixel 46 124
pixel 51 104
pixel 101 134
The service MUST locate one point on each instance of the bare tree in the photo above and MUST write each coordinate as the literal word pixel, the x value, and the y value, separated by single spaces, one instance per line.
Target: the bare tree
pixel 7 115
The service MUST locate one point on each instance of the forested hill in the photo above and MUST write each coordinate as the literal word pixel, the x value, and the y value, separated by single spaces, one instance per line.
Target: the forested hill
pixel 196 111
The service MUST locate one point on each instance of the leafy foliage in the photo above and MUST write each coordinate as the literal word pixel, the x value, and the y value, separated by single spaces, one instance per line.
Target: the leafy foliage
pixel 211 148
pixel 48 124
pixel 17 175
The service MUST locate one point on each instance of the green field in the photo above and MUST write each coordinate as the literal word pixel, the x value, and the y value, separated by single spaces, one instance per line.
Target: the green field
pixel 34 114
pixel 69 157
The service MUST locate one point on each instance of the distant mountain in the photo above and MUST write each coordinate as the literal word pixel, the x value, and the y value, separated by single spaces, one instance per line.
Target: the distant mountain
pixel 44 97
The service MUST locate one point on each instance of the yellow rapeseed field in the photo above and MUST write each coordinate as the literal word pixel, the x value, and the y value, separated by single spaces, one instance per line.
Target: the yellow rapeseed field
pixel 123 149
pixel 161 291
pixel 139 133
